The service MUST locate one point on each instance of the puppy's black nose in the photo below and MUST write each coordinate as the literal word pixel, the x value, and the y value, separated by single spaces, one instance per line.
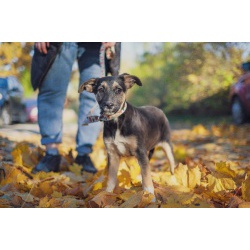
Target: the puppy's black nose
pixel 109 105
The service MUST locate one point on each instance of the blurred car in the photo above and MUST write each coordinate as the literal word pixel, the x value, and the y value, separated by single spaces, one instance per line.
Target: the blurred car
pixel 31 110
pixel 240 97
pixel 12 108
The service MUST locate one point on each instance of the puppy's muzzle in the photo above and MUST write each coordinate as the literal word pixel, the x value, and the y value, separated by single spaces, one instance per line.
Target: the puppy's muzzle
pixel 107 108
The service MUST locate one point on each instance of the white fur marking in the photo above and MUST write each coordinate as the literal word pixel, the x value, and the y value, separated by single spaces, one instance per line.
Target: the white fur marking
pixel 122 142
pixel 149 189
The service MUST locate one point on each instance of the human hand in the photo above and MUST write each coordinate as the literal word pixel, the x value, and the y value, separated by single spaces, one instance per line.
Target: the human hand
pixel 109 49
pixel 42 47
pixel 108 44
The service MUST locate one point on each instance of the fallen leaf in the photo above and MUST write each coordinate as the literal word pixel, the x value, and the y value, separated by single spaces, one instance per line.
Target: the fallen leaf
pixel 56 194
pixel 180 153
pixel 26 197
pixel 97 186
pixel 194 177
pixel 124 179
pixel 220 184
pixel 244 205
pixel 23 155
pixel 43 203
pixel 76 169
pixel 229 169
pixel 139 199
pixel 246 189
pixel 200 130
pixel 126 195
pixel 102 199
pixel 4 203
pixel 181 174
pixel 235 202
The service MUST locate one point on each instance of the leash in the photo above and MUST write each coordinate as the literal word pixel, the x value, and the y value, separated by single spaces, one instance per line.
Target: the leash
pixel 102 60
pixel 103 118
pixel 94 118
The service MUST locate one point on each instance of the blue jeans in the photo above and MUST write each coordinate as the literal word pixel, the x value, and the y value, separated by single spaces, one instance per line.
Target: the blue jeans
pixel 52 94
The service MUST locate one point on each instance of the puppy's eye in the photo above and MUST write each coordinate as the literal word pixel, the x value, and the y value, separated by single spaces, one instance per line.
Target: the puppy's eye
pixel 118 91
pixel 101 90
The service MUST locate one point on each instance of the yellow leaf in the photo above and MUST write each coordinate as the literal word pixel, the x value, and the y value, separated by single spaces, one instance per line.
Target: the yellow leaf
pixel 181 174
pixel 15 176
pixel 43 175
pixel 72 202
pixel 230 169
pixel 24 156
pixel 153 205
pixel 200 130
pixel 147 199
pixel 42 189
pixel 90 186
pixel 180 152
pixel 220 184
pixel 135 173
pixel 187 198
pixel 55 202
pixel 244 205
pixel 103 199
pixel 201 203
pixel 165 178
pixel 44 202
pixel 97 186
pixel 17 157
pixel 133 201
pixel 184 176
pixel 76 169
pixel 194 177
pixel 139 199
pixel 56 194
pixel 127 194
pixel 246 189
pixel 124 179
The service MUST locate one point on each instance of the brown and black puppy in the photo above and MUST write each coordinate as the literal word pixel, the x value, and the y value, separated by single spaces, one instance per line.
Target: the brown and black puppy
pixel 129 131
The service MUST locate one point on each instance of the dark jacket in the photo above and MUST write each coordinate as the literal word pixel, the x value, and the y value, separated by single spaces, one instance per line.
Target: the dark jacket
pixel 41 63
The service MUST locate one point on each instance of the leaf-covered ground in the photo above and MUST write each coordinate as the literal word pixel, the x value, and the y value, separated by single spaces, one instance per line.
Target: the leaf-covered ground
pixel 213 170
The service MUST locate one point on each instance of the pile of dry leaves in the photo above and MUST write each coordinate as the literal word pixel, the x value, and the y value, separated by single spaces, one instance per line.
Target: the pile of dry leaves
pixel 213 171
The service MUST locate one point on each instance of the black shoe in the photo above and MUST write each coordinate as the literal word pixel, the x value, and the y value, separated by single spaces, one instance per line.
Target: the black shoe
pixel 48 163
pixel 86 163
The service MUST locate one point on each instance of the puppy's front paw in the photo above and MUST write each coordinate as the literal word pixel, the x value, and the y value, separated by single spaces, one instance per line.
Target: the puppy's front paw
pixel 154 199
pixel 110 189
pixel 151 191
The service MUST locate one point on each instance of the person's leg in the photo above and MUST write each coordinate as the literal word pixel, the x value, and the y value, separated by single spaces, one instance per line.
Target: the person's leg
pixel 89 67
pixel 51 100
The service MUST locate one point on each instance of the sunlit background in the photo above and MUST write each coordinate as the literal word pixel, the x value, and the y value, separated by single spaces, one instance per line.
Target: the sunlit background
pixel 179 78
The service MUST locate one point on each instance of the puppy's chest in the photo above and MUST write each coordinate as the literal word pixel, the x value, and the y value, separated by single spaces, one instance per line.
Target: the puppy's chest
pixel 123 145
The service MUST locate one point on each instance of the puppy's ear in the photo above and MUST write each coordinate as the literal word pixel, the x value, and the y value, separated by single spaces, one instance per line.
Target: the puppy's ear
pixel 88 85
pixel 130 80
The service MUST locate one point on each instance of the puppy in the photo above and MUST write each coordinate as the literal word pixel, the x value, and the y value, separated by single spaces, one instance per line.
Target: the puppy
pixel 129 131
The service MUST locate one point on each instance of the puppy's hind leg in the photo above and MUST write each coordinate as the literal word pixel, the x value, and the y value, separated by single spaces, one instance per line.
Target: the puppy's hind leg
pixel 147 183
pixel 168 149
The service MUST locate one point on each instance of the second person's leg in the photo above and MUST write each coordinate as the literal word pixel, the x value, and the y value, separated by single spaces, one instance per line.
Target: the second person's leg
pixel 51 100
pixel 89 67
